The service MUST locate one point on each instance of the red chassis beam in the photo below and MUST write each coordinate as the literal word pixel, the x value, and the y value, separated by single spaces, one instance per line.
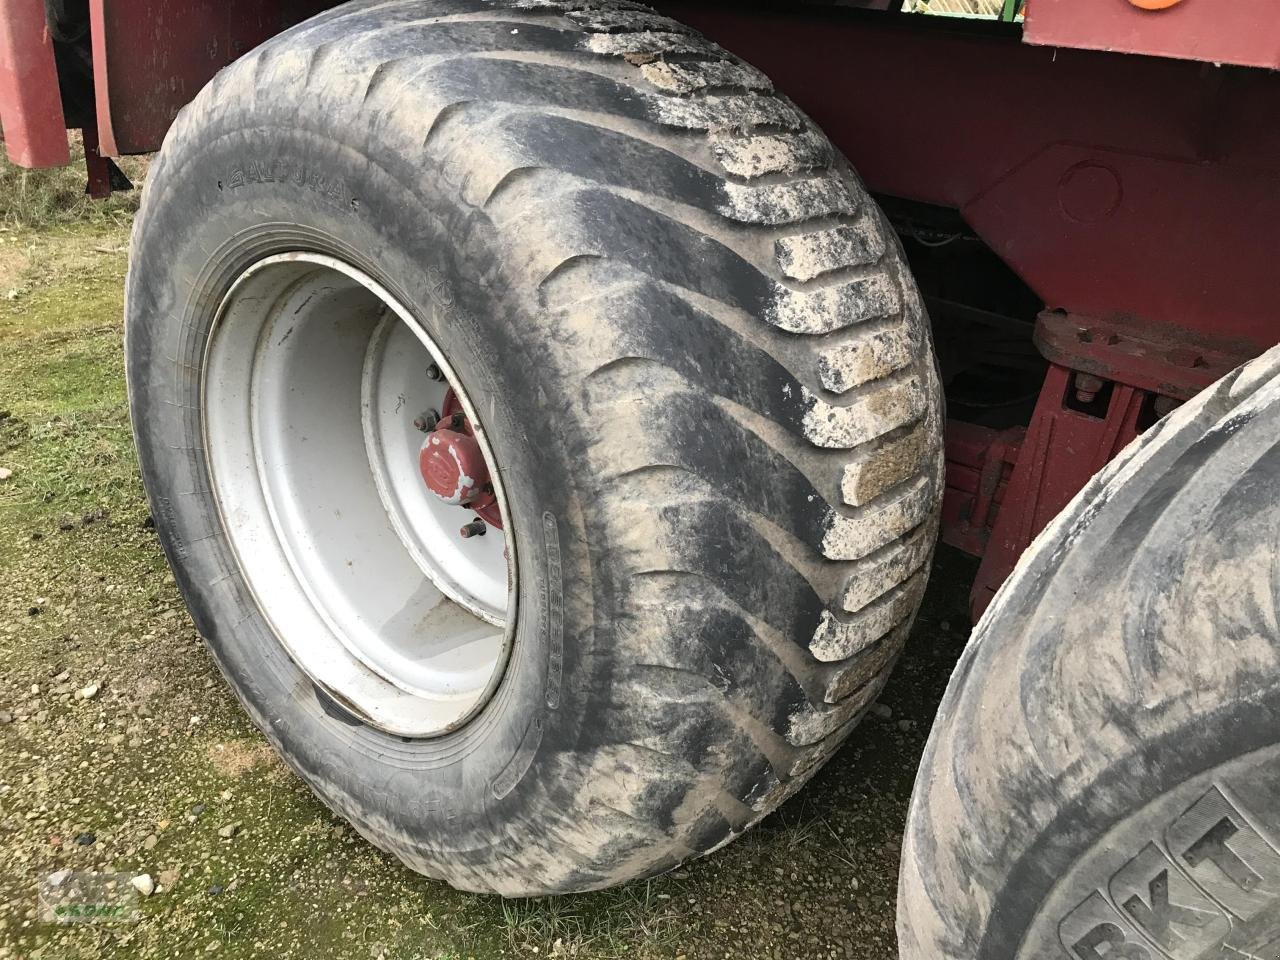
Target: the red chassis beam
pixel 1107 382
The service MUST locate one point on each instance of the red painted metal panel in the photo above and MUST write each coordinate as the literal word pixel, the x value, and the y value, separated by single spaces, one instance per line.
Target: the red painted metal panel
pixel 35 133
pixel 1122 233
pixel 1243 32
pixel 151 57
pixel 102 103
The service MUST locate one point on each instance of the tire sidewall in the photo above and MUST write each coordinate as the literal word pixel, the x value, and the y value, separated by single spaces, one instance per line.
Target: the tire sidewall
pixel 1082 866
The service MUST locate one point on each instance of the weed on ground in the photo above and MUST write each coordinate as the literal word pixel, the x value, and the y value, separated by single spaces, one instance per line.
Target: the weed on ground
pixel 40 198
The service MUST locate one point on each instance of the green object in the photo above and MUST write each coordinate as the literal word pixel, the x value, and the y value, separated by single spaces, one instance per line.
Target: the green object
pixel 1010 10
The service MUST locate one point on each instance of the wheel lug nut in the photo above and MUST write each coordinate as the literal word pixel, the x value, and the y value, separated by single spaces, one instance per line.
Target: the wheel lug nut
pixel 435 373
pixel 476 528
pixel 426 421
pixel 457 421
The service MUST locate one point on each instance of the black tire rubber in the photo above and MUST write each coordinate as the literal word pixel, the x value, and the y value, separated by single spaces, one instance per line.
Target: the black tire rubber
pixel 1101 778
pixel 709 379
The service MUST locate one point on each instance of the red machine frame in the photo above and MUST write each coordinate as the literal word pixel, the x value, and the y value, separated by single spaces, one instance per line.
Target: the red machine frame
pixel 1137 196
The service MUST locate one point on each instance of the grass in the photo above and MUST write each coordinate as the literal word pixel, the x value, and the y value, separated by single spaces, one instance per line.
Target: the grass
pixel 162 756
pixel 40 198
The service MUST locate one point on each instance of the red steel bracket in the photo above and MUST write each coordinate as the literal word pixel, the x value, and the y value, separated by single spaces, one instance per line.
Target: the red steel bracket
pixel 1107 232
pixel 1166 361
pixel 1107 381
pixel 96 165
pixel 35 133
pixel 1063 448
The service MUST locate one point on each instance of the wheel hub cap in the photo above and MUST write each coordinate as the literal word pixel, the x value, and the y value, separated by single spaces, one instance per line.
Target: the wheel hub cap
pixel 453 466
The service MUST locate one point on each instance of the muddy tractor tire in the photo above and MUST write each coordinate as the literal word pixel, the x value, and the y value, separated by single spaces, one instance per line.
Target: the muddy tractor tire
pixel 541 424
pixel 1101 778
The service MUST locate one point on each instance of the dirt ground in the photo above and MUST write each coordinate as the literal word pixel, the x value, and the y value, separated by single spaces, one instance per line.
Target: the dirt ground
pixel 121 749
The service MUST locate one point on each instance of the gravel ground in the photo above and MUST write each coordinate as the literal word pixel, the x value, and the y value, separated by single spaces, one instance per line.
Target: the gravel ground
pixel 121 750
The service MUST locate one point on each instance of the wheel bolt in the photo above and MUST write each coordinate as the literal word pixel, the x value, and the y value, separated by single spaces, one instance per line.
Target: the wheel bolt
pixel 426 421
pixel 1087 387
pixel 435 373
pixel 457 421
pixel 476 528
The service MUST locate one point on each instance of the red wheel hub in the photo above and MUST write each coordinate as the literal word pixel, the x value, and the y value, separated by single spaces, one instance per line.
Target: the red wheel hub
pixel 453 465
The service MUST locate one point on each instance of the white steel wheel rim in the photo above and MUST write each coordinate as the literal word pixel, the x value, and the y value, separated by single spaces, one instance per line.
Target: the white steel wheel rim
pixel 312 377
